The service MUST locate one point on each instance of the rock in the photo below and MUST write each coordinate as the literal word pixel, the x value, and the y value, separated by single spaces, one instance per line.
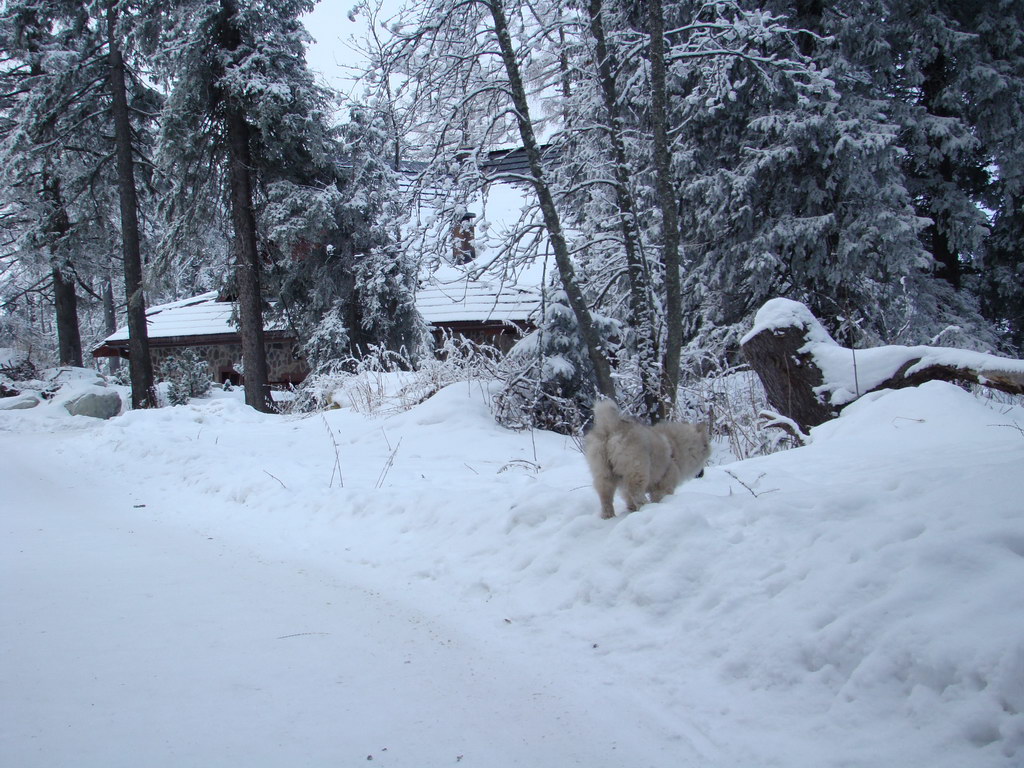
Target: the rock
pixel 100 405
pixel 19 403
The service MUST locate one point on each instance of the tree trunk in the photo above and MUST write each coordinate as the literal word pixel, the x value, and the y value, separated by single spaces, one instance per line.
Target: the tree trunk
pixel 642 314
pixel 69 339
pixel 110 318
pixel 246 251
pixel 552 221
pixel 942 249
pixel 247 266
pixel 139 361
pixel 788 376
pixel 65 300
pixel 669 215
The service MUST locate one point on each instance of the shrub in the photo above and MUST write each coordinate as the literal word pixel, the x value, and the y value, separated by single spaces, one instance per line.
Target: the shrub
pixel 187 375
pixel 382 380
pixel 549 382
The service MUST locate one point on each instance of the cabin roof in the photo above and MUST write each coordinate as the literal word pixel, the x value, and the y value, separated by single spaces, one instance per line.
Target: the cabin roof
pixel 476 301
pixel 439 303
pixel 201 315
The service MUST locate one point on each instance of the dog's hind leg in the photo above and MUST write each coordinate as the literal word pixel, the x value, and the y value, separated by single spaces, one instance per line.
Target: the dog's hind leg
pixel 636 490
pixel 606 493
pixel 663 487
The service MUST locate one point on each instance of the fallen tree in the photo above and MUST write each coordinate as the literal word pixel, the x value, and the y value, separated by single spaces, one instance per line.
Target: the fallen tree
pixel 809 378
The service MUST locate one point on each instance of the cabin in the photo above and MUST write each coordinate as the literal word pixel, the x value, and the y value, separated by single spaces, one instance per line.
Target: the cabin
pixel 204 323
pixel 483 312
pixel 451 301
pixel 478 311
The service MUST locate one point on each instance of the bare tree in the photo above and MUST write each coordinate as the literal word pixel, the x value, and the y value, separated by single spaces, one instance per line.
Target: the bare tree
pixel 668 201
pixel 467 92
pixel 552 220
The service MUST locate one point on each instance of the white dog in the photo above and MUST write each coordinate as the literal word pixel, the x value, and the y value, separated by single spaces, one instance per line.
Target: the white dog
pixel 643 460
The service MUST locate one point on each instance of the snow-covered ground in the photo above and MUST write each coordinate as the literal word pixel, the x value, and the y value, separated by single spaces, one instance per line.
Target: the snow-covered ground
pixel 205 585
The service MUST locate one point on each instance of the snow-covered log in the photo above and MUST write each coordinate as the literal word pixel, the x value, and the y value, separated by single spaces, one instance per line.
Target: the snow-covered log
pixel 809 378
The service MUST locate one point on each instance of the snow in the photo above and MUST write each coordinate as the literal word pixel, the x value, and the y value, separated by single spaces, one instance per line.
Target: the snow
pixel 848 373
pixel 460 298
pixel 447 296
pixel 201 315
pixel 196 585
pixel 779 314
pixel 10 357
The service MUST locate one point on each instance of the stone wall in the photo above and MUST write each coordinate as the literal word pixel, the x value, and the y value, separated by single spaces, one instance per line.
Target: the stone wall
pixel 283 365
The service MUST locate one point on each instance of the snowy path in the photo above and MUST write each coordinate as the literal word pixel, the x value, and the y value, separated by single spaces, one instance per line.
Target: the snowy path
pixel 128 641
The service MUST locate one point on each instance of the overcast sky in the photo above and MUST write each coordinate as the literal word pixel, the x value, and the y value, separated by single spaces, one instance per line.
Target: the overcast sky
pixel 333 52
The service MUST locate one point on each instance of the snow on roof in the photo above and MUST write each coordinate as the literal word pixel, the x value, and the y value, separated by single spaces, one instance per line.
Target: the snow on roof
pixel 439 301
pixel 200 315
pixel 469 300
pixel 448 295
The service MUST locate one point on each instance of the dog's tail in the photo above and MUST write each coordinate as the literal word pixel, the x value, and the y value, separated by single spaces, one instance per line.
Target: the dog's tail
pixel 606 418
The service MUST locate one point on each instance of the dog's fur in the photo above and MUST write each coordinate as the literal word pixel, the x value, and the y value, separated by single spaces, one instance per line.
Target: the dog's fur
pixel 640 459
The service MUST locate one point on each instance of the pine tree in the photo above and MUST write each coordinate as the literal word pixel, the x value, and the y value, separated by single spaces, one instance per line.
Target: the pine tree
pixel 57 124
pixel 994 90
pixel 344 282
pixel 244 114
pixel 306 199
pixel 37 83
pixel 791 182
pixel 187 374
pixel 950 75
pixel 790 174
pixel 549 379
